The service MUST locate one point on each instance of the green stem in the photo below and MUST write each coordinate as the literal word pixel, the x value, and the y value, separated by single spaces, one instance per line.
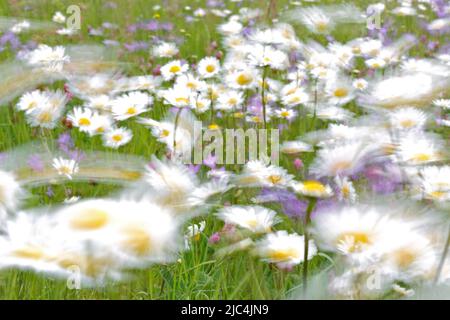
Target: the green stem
pixel 263 96
pixel 444 256
pixel 177 117
pixel 311 205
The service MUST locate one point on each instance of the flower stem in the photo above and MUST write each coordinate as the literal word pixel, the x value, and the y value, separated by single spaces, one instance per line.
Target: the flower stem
pixel 311 205
pixel 177 118
pixel 263 96
pixel 444 256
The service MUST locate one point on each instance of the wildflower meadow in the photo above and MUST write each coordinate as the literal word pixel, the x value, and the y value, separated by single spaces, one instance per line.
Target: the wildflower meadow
pixel 234 149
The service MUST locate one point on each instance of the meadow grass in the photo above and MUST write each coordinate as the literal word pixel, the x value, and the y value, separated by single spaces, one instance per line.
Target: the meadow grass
pixel 199 273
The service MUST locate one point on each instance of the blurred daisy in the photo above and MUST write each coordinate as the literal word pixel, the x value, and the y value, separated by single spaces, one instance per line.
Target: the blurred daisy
pixel 81 118
pixel 254 218
pixel 130 105
pixel 286 250
pixel 286 114
pixel 115 138
pixel 407 118
pixel 312 188
pixel 10 191
pixel 419 149
pixel 243 79
pixel 295 147
pixel 230 100
pixel 67 167
pixel 173 69
pixel 341 160
pixel 165 50
pixel 32 100
pixel 48 58
pixel 346 189
pixel 266 56
pixel 434 183
pixel 208 67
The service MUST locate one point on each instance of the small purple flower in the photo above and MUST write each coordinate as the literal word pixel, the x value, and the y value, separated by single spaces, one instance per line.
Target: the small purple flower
pixel 50 193
pixel 210 161
pixel 298 163
pixel 214 238
pixel 35 163
pixel 193 168
pixel 65 142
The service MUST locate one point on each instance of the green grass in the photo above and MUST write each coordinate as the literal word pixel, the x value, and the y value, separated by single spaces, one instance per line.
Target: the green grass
pixel 199 274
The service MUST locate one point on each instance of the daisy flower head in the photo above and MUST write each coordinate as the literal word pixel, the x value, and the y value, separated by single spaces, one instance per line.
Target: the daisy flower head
pixel 208 67
pixel 130 105
pixel 190 82
pixel 340 160
pixel 312 188
pixel 10 190
pixel 347 191
pixel 67 167
pixel 178 96
pixel 165 50
pixel 407 118
pixel 286 250
pixel 58 17
pixel 284 113
pixel 230 28
pixel 48 58
pixel 230 100
pixel 442 103
pixel 254 218
pixel 352 231
pixel 31 100
pixel 81 118
pixel 295 97
pixel 339 90
pixel 99 102
pixel 434 183
pixel 47 114
pixel 200 104
pixel 242 79
pixel 266 56
pixel 117 137
pixel 360 84
pixel 417 148
pixel 295 147
pixel 173 69
pixel 100 123
pixel 316 20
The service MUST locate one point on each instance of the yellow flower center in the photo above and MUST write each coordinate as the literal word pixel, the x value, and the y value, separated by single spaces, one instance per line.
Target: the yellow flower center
pixel 164 133
pixel 314 187
pixel 45 117
pixel 137 240
pixel 117 137
pixel 404 258
pixel 244 79
pixel 421 157
pixel 29 253
pixel 274 179
pixel 285 114
pixel 340 92
pixel 284 254
pixel 358 240
pixel 90 219
pixel 175 69
pixel 210 68
pixel 182 100
pixel 131 110
pixel 84 122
